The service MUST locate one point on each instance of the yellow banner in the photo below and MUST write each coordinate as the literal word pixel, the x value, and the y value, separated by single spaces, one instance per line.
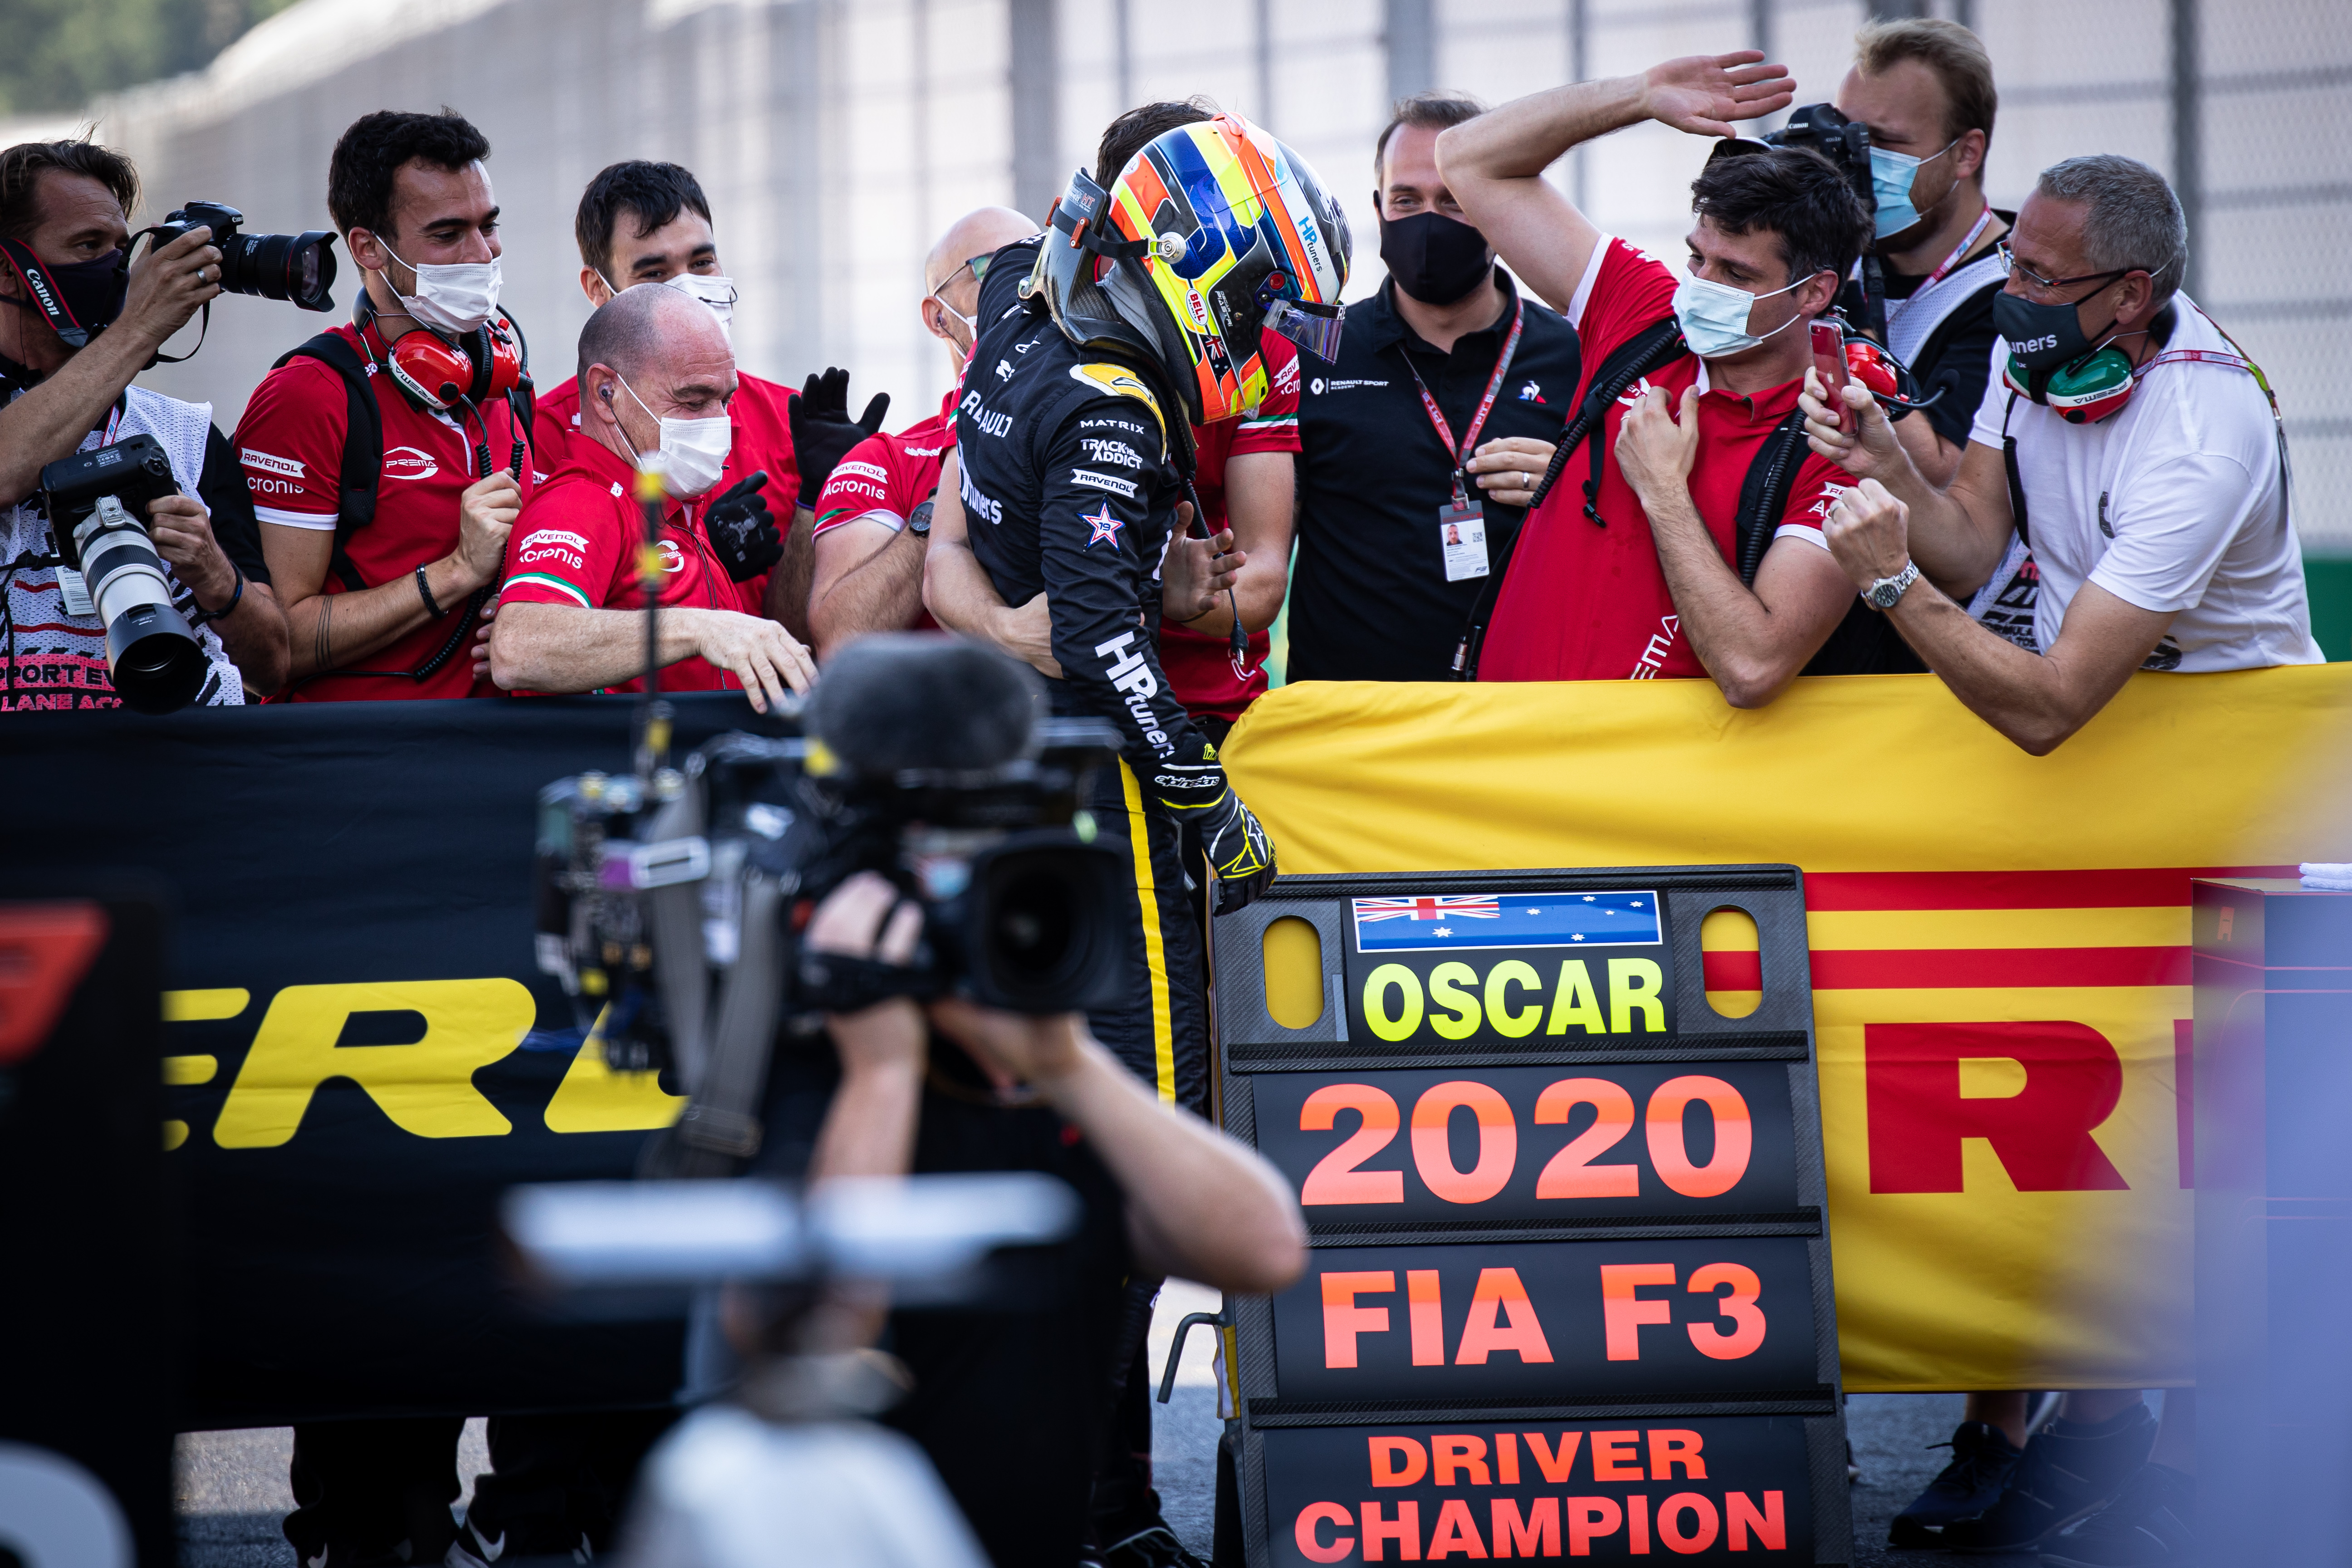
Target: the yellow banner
pixel 2000 966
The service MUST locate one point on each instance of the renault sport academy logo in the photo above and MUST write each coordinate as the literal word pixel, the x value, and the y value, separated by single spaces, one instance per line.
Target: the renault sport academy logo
pixel 409 463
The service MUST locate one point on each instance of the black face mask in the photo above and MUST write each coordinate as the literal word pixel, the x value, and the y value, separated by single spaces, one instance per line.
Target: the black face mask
pixel 90 292
pixel 1434 258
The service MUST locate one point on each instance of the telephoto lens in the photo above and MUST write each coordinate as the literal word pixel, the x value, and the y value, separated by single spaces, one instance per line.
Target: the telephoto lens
pixel 300 267
pixel 157 663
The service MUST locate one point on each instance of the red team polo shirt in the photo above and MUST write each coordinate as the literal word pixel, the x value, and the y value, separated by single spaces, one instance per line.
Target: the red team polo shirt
pixel 1200 666
pixel 1583 602
pixel 763 439
pixel 892 475
pixel 292 443
pixel 576 543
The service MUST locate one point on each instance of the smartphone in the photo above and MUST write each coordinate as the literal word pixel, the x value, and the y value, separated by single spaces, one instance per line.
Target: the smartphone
pixel 1828 358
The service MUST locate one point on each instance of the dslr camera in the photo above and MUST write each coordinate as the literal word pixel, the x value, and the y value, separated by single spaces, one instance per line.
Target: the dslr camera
pixel 296 267
pixel 96 505
pixel 671 902
pixel 1820 128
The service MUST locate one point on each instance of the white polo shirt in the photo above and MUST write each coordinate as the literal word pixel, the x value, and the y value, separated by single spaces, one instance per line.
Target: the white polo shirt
pixel 2175 504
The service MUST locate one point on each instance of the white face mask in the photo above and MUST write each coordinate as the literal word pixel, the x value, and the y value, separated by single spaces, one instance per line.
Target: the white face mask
pixel 456 297
pixel 718 292
pixel 693 451
pixel 1714 316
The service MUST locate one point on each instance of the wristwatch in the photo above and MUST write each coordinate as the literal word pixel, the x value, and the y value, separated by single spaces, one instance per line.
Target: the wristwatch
pixel 1887 592
pixel 920 522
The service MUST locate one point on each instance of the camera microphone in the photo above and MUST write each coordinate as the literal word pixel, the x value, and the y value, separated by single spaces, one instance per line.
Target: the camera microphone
pixel 922 702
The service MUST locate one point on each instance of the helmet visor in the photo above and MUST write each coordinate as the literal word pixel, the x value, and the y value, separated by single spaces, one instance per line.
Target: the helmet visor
pixel 1312 328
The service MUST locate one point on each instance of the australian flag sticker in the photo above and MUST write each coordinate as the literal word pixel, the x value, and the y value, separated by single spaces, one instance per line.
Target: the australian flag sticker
pixel 1498 920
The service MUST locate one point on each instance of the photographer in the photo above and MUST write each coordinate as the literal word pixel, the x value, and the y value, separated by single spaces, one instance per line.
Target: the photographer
pixel 390 456
pixel 1009 1404
pixel 75 332
pixel 1643 561
pixel 657 373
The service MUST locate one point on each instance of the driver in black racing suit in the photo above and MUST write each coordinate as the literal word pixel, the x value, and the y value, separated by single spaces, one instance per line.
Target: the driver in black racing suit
pixel 1074 447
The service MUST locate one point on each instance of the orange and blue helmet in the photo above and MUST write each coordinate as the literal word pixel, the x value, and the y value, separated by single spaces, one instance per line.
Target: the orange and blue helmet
pixel 1213 234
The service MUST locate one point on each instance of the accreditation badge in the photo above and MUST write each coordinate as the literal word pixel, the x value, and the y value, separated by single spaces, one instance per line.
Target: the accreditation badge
pixel 1462 539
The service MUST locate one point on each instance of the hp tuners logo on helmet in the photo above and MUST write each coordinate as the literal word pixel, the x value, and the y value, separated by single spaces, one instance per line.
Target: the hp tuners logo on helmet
pixel 1130 675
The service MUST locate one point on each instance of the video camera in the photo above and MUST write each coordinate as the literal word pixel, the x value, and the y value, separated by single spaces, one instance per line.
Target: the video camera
pixel 671 902
pixel 96 505
pixel 296 267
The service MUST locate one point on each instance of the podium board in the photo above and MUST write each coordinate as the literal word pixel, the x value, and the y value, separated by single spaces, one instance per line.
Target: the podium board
pixel 1569 1288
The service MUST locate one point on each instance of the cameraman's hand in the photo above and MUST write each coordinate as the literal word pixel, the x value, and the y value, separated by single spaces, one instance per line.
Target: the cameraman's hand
pixel 760 655
pixel 183 531
pixel 170 284
pixel 1013 1048
pixel 486 514
pixel 1868 448
pixel 1026 633
pixel 855 921
pixel 1704 93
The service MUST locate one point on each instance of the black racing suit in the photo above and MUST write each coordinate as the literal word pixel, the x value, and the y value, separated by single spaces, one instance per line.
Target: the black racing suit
pixel 1070 477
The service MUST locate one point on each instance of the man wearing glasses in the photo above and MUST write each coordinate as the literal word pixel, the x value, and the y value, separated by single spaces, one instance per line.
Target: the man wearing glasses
pixel 873 523
pixel 643 222
pixel 2128 441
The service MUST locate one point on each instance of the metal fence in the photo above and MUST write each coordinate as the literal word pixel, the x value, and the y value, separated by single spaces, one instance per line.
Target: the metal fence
pixel 837 138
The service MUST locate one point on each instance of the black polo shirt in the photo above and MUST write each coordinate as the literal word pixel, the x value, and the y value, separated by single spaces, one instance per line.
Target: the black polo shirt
pixel 1369 598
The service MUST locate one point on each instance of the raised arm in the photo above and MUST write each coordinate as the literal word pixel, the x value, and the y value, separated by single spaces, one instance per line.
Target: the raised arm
pixel 1495 165
pixel 1199 1204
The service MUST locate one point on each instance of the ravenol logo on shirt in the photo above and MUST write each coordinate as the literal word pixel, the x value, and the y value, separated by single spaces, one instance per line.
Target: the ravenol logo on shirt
pixel 269 462
pixel 1506 920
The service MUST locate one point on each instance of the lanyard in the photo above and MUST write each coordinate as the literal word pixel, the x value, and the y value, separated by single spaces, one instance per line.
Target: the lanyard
pixel 1485 404
pixel 1949 262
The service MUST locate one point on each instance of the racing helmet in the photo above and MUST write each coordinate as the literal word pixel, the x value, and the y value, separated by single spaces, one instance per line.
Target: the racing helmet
pixel 1213 234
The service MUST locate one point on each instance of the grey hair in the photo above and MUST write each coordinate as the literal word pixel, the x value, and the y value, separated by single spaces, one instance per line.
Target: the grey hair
pixel 2131 220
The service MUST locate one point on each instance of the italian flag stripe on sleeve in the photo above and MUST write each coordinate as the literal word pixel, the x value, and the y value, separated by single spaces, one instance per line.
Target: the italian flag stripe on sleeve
pixel 549 580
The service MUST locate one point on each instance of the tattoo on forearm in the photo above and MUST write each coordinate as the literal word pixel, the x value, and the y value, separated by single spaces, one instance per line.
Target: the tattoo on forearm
pixel 319 659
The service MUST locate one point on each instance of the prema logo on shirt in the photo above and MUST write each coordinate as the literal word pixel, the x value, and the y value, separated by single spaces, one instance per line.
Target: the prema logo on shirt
pixel 409 463
pixel 673 559
pixel 269 462
pixel 1662 643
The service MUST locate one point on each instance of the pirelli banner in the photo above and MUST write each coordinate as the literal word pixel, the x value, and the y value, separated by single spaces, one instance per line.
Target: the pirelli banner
pixel 1998 945
pixel 1570 1279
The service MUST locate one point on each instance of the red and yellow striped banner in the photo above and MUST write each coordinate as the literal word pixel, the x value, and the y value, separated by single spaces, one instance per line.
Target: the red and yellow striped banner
pixel 1999 948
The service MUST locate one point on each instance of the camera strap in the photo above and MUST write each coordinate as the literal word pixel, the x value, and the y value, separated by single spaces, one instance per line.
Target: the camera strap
pixel 47 300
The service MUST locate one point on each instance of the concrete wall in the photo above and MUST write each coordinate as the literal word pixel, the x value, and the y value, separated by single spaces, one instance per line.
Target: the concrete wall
pixel 837 138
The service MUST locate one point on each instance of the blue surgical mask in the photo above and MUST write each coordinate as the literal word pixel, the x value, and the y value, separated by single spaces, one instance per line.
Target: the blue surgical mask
pixel 1714 316
pixel 1891 174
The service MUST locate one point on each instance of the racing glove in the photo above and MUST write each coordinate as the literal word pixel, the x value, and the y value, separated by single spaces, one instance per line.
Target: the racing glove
pixel 743 530
pixel 1198 795
pixel 823 432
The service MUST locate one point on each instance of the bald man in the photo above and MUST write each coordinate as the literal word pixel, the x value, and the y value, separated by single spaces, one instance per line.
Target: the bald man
pixel 656 377
pixel 873 515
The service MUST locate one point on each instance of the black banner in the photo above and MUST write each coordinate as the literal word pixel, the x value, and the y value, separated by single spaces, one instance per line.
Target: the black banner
pixel 349 1079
